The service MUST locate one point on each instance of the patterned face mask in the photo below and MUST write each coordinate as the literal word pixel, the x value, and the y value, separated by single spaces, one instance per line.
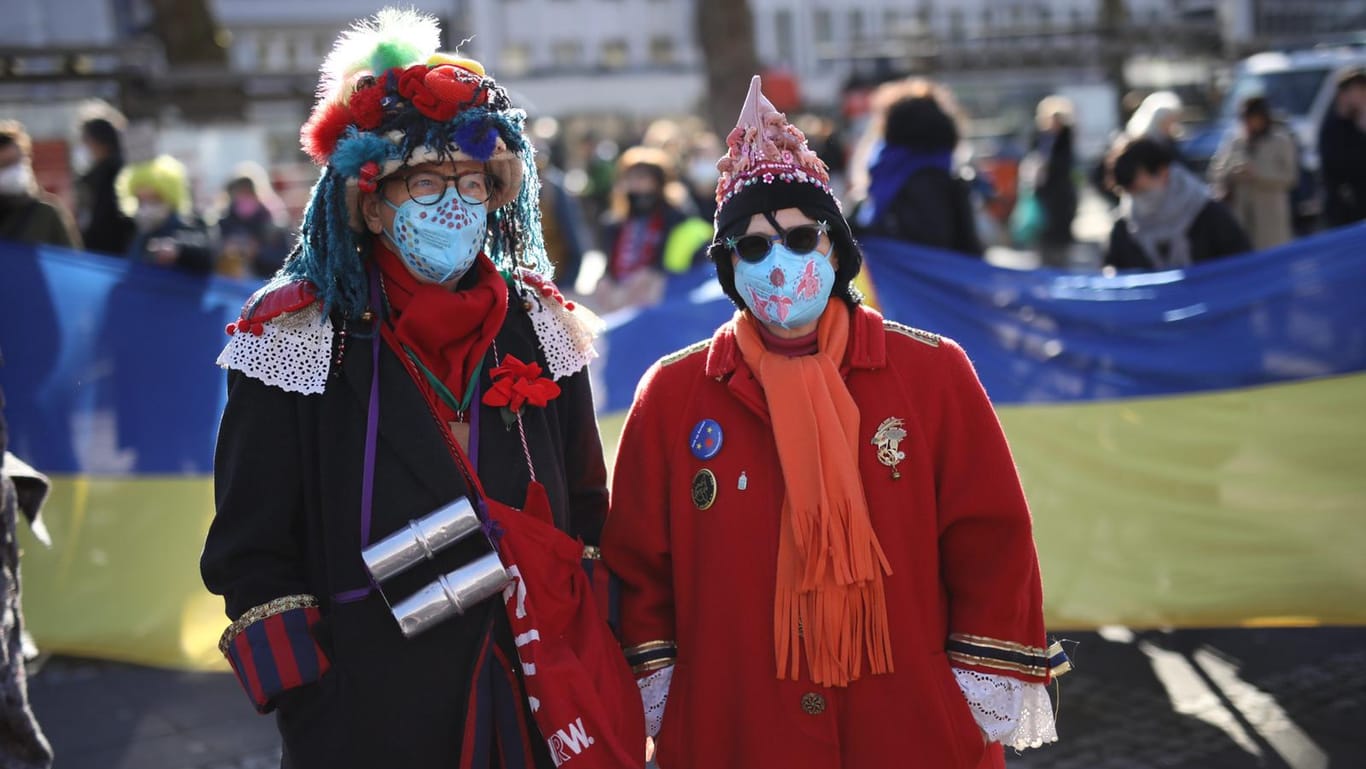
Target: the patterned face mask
pixel 439 243
pixel 786 289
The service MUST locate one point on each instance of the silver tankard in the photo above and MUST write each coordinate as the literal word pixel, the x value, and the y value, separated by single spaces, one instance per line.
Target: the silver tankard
pixel 452 593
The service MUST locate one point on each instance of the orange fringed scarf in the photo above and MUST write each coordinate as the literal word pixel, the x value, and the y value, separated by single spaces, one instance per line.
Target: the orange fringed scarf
pixel 830 599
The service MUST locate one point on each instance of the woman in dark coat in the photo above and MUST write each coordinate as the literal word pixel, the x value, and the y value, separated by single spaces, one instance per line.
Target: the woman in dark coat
pixel 913 194
pixel 402 361
pixel 1054 188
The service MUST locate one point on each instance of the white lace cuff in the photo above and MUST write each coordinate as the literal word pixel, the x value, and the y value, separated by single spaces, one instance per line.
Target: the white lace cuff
pixel 292 351
pixel 565 330
pixel 1012 712
pixel 654 695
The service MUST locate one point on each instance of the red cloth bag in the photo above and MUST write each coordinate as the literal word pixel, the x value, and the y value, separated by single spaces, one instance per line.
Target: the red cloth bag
pixel 582 693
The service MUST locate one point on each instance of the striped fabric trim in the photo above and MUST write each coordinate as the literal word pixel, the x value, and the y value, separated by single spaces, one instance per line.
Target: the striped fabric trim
pixel 1058 663
pixel 1001 655
pixel 651 656
pixel 277 653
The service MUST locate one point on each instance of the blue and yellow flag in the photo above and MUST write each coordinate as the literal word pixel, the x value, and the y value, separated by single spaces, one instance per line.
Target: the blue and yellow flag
pixel 1188 439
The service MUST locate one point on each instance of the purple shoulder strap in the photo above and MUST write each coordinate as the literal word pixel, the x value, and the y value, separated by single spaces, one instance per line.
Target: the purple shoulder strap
pixel 367 483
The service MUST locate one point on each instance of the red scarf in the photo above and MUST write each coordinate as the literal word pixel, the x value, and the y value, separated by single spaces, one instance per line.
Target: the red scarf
pixel 637 245
pixel 448 330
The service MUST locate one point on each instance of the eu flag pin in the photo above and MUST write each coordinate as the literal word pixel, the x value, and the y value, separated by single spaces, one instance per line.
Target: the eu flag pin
pixel 705 440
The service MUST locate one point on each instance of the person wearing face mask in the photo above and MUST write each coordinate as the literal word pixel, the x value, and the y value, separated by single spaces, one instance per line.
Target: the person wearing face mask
pixel 411 359
pixel 1253 173
pixel 104 227
pixel 250 239
pixel 157 196
pixel 647 234
pixel 824 551
pixel 1166 217
pixel 28 214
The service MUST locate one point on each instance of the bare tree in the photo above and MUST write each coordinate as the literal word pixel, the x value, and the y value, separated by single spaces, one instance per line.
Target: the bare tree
pixel 725 33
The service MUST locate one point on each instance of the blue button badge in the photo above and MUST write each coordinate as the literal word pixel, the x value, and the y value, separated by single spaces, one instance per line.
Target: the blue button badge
pixel 706 439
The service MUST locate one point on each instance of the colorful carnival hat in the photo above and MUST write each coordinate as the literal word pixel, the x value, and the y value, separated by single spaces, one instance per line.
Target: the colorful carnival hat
pixel 768 166
pixel 388 99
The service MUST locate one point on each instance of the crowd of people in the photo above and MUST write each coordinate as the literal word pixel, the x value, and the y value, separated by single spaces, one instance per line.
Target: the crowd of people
pixel 619 222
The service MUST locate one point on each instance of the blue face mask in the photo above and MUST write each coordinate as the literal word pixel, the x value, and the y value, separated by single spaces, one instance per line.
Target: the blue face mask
pixel 785 289
pixel 439 243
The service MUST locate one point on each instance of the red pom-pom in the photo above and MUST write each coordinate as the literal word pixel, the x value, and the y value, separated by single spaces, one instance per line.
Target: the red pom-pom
pixel 369 173
pixel 323 130
pixel 569 306
pixel 258 329
pixel 365 107
pixel 231 329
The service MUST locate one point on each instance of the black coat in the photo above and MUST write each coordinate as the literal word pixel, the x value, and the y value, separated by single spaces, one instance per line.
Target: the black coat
pixel 1342 156
pixel 931 209
pixel 1213 234
pixel 288 485
pixel 1056 192
pixel 104 228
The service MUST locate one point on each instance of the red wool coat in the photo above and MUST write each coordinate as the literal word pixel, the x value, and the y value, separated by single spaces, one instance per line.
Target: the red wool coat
pixel 698 584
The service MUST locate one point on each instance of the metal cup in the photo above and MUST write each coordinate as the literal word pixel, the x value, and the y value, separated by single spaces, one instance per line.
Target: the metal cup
pixel 420 539
pixel 451 594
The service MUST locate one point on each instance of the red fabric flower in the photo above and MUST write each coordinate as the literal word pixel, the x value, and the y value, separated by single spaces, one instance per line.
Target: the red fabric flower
pixel 365 107
pixel 455 85
pixel 412 85
pixel 516 384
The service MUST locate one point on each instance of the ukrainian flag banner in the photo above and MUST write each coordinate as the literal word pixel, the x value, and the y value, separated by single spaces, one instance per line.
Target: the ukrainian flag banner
pixel 1188 440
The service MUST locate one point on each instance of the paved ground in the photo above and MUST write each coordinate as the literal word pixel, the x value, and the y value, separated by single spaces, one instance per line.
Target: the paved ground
pixel 1225 699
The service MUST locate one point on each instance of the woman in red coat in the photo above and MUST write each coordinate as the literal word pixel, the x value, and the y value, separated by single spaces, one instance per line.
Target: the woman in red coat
pixel 825 554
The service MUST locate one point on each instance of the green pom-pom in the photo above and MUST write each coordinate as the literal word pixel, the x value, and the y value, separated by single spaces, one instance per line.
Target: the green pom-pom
pixel 393 54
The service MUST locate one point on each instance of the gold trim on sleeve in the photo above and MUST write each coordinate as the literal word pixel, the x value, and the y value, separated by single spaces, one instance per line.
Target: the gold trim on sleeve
pixel 264 611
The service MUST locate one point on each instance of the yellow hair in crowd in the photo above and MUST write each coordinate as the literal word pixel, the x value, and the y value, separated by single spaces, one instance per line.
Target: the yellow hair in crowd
pixel 163 174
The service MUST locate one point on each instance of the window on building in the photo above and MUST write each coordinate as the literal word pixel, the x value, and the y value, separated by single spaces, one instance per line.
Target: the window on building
pixel 567 54
pixel 663 52
pixel 262 52
pixel 823 26
pixel 856 18
pixel 515 59
pixel 986 18
pixel 785 36
pixel 614 54
pixel 1045 16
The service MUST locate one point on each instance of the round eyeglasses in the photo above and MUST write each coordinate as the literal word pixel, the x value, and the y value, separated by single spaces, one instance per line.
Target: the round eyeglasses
pixel 429 188
pixel 799 240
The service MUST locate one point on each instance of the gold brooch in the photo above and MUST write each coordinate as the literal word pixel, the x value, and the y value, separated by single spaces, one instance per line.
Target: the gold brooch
pixel 888 440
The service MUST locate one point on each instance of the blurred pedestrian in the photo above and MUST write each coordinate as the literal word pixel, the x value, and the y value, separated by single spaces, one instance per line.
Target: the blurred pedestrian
pixel 22 490
pixel 647 233
pixel 1158 118
pixel 779 601
pixel 104 226
pixel 566 236
pixel 28 213
pixel 418 288
pixel 1054 187
pixel 1253 173
pixel 169 234
pixel 251 240
pixel 1342 152
pixel 1167 218
pixel 913 193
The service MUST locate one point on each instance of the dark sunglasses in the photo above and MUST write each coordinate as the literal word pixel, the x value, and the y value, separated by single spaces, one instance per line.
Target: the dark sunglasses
pixel 799 240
